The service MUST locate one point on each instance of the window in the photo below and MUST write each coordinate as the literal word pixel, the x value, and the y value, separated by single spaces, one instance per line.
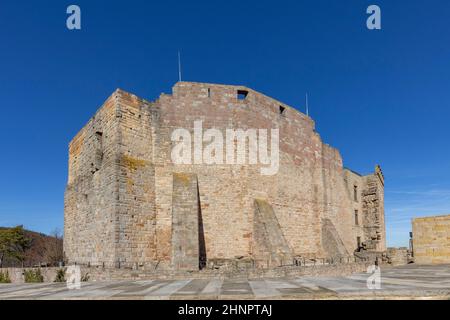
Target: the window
pixel 242 94
pixel 282 110
pixel 209 92
pixel 355 193
pixel 358 242
pixel 98 155
pixel 356 218
pixel 99 135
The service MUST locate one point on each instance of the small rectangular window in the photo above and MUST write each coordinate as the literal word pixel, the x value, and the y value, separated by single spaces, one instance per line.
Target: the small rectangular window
pixel 209 92
pixel 358 242
pixel 356 218
pixel 355 193
pixel 282 110
pixel 242 94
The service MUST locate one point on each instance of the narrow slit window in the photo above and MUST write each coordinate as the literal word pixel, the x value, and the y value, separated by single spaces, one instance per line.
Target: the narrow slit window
pixel 355 193
pixel 242 94
pixel 98 152
pixel 356 218
pixel 209 92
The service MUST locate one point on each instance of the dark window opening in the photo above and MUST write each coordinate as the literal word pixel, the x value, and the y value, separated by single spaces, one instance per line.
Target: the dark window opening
pixel 282 109
pixel 358 242
pixel 355 193
pixel 98 158
pixel 209 93
pixel 242 94
pixel 356 218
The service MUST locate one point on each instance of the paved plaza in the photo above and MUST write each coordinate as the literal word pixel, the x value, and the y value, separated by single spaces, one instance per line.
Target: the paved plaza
pixel 411 281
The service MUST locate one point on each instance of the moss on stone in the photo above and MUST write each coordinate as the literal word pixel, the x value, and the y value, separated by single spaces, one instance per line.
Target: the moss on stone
pixel 133 163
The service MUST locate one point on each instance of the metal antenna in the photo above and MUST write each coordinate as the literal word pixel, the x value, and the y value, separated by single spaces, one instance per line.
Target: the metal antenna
pixel 179 66
pixel 307 107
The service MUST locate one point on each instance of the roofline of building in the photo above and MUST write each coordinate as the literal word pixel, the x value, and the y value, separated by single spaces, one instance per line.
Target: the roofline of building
pixel 432 217
pixel 246 88
pixel 353 171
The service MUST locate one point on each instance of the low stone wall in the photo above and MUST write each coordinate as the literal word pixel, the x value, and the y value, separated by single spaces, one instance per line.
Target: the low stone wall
pixel 106 274
pixel 16 275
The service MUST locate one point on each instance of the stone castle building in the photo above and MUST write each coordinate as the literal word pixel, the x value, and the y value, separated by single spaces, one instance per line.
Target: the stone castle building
pixel 127 203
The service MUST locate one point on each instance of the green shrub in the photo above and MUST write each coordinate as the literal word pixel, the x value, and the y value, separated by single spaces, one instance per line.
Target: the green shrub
pixel 60 275
pixel 32 276
pixel 4 277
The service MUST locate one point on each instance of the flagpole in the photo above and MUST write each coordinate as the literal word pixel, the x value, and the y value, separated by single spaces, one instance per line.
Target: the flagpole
pixel 307 107
pixel 179 66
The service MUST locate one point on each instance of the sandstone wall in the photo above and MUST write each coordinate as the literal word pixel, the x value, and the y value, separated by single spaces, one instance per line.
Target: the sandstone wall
pixel 185 222
pixel 135 227
pixel 93 274
pixel 91 195
pixel 431 239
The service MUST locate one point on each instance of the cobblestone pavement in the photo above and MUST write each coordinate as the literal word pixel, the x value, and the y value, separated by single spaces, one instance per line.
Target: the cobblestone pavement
pixel 409 281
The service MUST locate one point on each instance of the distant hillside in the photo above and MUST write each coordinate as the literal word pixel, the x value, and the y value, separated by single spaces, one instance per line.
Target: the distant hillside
pixel 44 250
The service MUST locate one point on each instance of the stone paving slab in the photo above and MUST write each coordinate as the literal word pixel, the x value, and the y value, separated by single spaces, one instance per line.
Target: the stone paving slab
pixel 411 281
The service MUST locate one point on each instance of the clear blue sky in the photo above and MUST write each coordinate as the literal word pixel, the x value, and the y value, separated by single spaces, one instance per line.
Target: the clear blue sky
pixel 378 96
